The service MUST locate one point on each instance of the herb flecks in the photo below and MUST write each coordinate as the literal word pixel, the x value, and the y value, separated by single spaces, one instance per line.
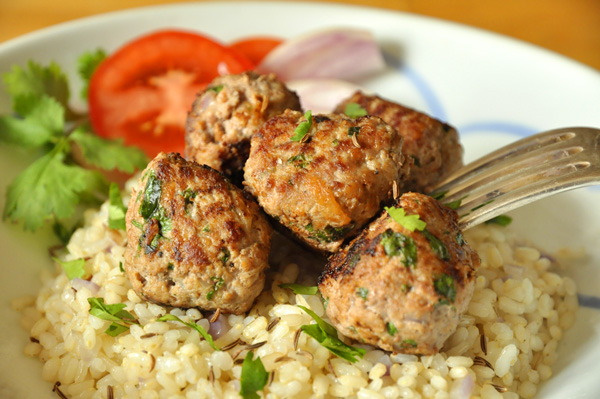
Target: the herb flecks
pixel 116 208
pixel 437 246
pixel 218 283
pixel 329 233
pixel 303 128
pixel 254 377
pixel 301 289
pixel 116 313
pixel 445 286
pixel 397 244
pixel 409 222
pixel 198 328
pixel 300 161
pixel 354 110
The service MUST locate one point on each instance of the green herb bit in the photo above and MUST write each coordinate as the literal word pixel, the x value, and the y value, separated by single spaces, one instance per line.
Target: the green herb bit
pixel 206 229
pixel 397 244
pixel 121 268
pixel 137 224
pixel 225 255
pixel 200 329
pixel 460 240
pixel 300 289
pixel 151 198
pixel 73 268
pixel 455 204
pixel 409 222
pixel 329 233
pixel 327 336
pixel 354 110
pixel 437 246
pixel 115 313
pixel 439 196
pixel 501 220
pixel 409 343
pixel 165 223
pixel 303 127
pixel 219 281
pixel 353 130
pixel 116 208
pixel 482 205
pixel 300 161
pixel 335 142
pixel 216 89
pixel 86 65
pixel 445 286
pixel 362 292
pixel 254 377
pixel 188 196
pixel 391 328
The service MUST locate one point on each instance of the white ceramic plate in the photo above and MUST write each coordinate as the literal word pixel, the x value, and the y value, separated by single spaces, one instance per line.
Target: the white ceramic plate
pixel 493 89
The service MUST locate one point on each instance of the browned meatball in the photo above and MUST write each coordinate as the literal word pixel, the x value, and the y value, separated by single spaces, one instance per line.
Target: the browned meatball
pixel 432 146
pixel 329 184
pixel 226 115
pixel 194 239
pixel 398 289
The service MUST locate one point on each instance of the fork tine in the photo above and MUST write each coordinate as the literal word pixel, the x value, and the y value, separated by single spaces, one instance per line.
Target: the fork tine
pixel 527 170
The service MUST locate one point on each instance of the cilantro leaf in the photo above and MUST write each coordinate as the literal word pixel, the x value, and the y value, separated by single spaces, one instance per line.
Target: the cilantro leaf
pixel 303 127
pixel 327 336
pixel 115 313
pixel 501 220
pixel 254 377
pixel 397 244
pixel 219 281
pixel 151 199
pixel 409 222
pixel 437 246
pixel 354 110
pixel 116 208
pixel 47 188
pixel 108 154
pixel 200 329
pixel 86 65
pixel 73 269
pixel 38 81
pixel 444 285
pixel 301 289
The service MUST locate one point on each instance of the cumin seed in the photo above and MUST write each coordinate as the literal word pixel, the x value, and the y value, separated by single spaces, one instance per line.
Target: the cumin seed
pixel 305 354
pixel 479 361
pixel 483 343
pixel 109 392
pixel 297 338
pixel 211 375
pixel 273 323
pixel 231 345
pixel 283 359
pixel 58 391
pixel 499 388
pixel 394 189
pixel 331 368
pixel 34 340
pixel 271 377
pixel 152 362
pixel 256 345
pixel 215 315
pixel 149 335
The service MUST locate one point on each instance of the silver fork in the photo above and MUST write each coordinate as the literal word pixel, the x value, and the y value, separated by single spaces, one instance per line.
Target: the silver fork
pixel 522 172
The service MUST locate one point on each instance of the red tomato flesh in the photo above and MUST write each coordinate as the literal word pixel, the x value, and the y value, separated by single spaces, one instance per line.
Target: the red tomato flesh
pixel 143 92
pixel 256 48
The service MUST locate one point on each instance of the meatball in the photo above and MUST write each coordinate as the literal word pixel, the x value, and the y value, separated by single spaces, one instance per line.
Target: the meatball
pixel 432 146
pixel 326 185
pixel 226 115
pixel 194 239
pixel 403 283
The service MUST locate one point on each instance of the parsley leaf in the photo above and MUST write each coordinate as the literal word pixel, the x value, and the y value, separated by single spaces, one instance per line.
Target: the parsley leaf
pixel 115 313
pixel 86 65
pixel 409 222
pixel 116 209
pixel 501 220
pixel 354 110
pixel 219 281
pixel 200 329
pixel 444 285
pixel 437 246
pixel 254 377
pixel 301 289
pixel 151 198
pixel 327 336
pixel 303 127
pixel 73 268
pixel 397 244
pixel 391 328
pixel 362 292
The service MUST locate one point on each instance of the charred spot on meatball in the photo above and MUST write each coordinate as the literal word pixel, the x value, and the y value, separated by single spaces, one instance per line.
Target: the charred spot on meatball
pixel 323 177
pixel 226 115
pixel 403 283
pixel 194 239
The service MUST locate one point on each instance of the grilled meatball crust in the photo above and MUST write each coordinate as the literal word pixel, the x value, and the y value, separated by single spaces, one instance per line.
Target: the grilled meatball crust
pixel 194 239
pixel 332 182
pixel 226 115
pixel 433 147
pixel 402 290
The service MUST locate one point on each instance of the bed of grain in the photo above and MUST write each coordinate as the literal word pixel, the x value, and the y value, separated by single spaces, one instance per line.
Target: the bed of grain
pixel 504 347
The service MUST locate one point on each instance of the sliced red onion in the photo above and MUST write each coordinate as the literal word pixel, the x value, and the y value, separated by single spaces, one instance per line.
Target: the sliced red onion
pixel 464 389
pixel 322 95
pixel 79 283
pixel 219 327
pixel 344 53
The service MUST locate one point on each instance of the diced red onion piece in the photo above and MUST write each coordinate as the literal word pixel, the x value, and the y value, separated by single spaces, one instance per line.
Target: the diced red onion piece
pixel 322 95
pixel 464 390
pixel 338 53
pixel 219 327
pixel 79 283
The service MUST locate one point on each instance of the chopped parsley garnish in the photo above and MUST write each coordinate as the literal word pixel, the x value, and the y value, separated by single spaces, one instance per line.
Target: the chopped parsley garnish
pixel 437 246
pixel 362 292
pixel 200 329
pixel 300 289
pixel 87 64
pixel 218 283
pixel 454 205
pixel 445 286
pixel 501 220
pixel 73 268
pixel 303 127
pixel 354 110
pixel 254 377
pixel 439 196
pixel 409 343
pixel 116 208
pixel 397 244
pixel 300 161
pixel 151 197
pixel 409 222
pixel 327 336
pixel 121 319
pixel 460 240
pixel 216 89
pixel 391 328
pixel 329 233
pixel 225 255
pixel 353 130
pixel 188 196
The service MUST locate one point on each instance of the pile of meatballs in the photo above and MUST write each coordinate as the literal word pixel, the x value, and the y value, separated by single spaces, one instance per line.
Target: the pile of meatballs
pixel 199 227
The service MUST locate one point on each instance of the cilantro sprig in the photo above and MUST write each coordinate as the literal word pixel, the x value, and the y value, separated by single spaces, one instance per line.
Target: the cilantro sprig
pixel 301 289
pixel 42 122
pixel 121 319
pixel 409 222
pixel 254 377
pixel 303 127
pixel 197 327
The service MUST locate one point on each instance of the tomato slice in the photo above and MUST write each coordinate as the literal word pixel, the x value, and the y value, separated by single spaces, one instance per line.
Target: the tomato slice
pixel 144 90
pixel 256 48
